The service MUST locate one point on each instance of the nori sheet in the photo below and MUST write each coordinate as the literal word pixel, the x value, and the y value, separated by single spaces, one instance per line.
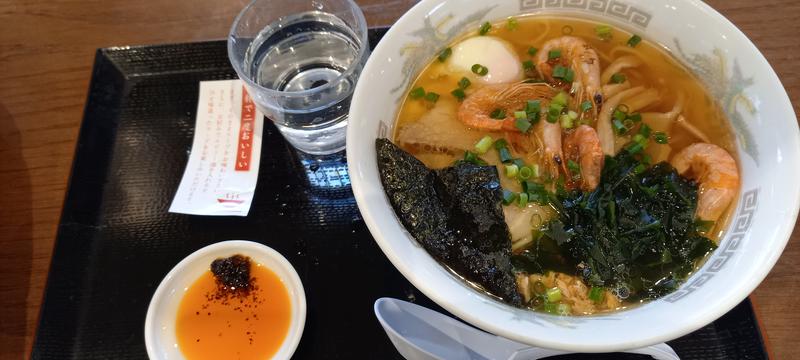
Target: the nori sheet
pixel 455 213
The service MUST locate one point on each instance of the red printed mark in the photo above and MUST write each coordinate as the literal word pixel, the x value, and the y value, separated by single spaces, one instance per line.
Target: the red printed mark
pixel 244 150
pixel 223 201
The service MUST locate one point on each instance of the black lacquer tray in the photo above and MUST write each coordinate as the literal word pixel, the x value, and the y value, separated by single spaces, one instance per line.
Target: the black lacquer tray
pixel 116 239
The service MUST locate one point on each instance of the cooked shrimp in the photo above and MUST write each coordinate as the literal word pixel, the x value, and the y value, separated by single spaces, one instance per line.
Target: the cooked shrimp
pixel 581 58
pixel 477 108
pixel 583 147
pixel 550 134
pixel 715 171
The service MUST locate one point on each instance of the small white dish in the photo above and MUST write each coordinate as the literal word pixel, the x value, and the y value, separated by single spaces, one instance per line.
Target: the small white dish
pixel 159 326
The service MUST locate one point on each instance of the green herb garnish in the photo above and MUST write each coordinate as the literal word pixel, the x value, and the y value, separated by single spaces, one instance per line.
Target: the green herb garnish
pixel 485 27
pixel 459 94
pixel 445 54
pixel 432 97
pixel 498 114
pixel 417 93
pixel 634 40
pixel 479 69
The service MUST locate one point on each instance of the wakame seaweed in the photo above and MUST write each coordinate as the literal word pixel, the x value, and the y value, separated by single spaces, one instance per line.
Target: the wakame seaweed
pixel 635 233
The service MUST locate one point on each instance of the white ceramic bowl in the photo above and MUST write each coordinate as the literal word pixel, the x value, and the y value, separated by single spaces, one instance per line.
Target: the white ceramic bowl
pixel 159 326
pixel 735 73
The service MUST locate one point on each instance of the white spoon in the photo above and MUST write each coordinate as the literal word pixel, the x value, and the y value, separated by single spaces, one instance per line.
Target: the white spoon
pixel 419 333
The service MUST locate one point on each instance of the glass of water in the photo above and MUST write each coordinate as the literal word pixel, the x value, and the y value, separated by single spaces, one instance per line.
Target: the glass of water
pixel 299 60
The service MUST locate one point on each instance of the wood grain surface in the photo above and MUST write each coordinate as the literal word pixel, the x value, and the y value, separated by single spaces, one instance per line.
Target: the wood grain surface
pixel 46 52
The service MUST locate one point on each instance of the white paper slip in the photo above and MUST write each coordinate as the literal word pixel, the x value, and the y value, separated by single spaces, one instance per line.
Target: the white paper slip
pixel 220 178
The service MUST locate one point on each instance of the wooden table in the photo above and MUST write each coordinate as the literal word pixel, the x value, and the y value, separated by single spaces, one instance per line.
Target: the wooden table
pixel 46 54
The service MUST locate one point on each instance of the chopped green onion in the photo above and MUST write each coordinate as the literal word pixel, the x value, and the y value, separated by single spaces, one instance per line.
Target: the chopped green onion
pixel 498 114
pixel 596 294
pixel 532 51
pixel 554 54
pixel 618 78
pixel 479 69
pixel 635 117
pixel 525 173
pixel 566 122
pixel 445 54
pixel 635 148
pixel 604 32
pixel 531 187
pixel 417 93
pixel 661 137
pixel 527 65
pixel 535 117
pixel 563 309
pixel 550 308
pixel 520 115
pixel 586 106
pixel 523 199
pixel 459 94
pixel 638 138
pixel 512 24
pixel 619 115
pixel 572 115
pixel 645 130
pixel 639 168
pixel 523 125
pixel 535 168
pixel 634 40
pixel 557 309
pixel 473 158
pixel 624 108
pixel 563 73
pixel 485 27
pixel 505 155
pixel 484 144
pixel 432 97
pixel 533 106
pixel 512 170
pixel 509 197
pixel 628 123
pixel 500 143
pixel 619 128
pixel 570 76
pixel 553 295
pixel 573 167
pixel 520 164
pixel 559 72
pixel 464 83
pixel 554 113
pixel 560 99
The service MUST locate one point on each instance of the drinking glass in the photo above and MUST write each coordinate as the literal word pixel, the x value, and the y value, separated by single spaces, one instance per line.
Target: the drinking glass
pixel 300 60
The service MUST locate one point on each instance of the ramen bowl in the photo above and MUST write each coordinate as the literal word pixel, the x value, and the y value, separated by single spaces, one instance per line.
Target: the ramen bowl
pixel 734 72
